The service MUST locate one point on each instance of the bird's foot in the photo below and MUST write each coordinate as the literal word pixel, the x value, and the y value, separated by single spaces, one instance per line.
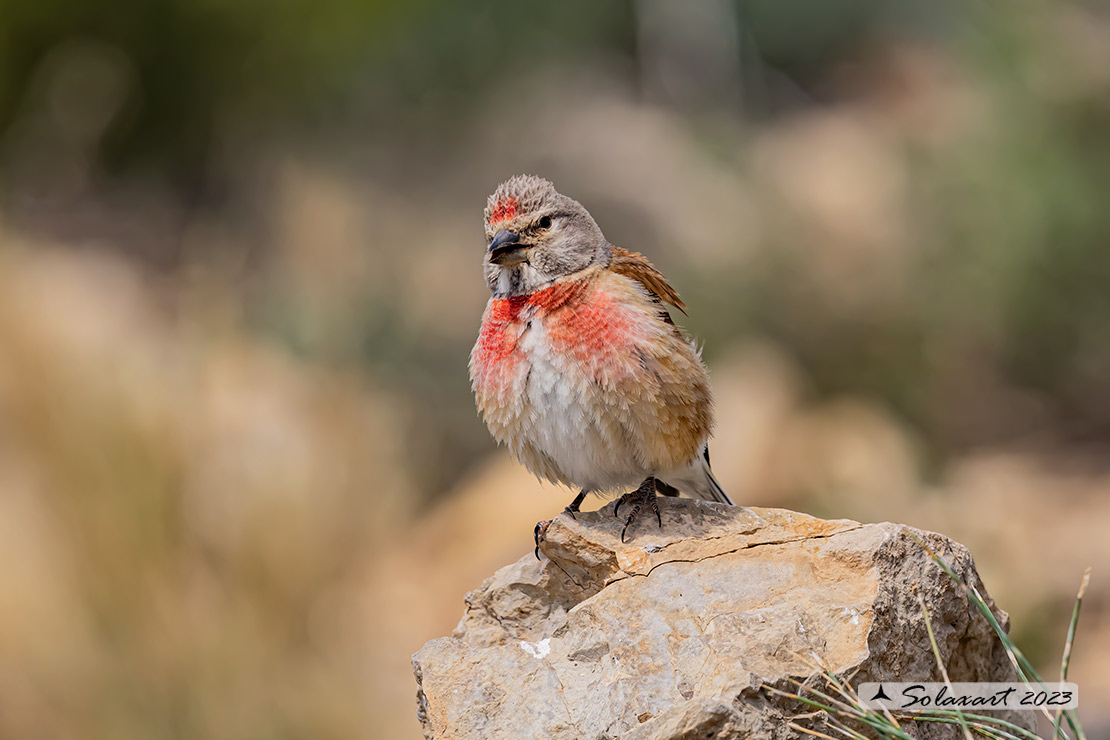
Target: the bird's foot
pixel 538 534
pixel 576 505
pixel 645 494
pixel 572 508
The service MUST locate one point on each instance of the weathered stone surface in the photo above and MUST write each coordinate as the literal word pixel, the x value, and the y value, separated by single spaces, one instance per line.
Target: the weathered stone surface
pixel 671 634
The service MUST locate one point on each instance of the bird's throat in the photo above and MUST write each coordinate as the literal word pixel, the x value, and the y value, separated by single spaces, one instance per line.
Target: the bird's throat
pixel 511 280
pixel 553 296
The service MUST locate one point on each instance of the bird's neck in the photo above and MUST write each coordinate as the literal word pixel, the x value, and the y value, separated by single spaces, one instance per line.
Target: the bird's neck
pixel 524 281
pixel 557 294
pixel 506 282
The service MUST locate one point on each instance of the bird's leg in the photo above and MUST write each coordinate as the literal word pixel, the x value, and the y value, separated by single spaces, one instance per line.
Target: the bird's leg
pixel 665 489
pixel 575 506
pixel 645 494
pixel 572 508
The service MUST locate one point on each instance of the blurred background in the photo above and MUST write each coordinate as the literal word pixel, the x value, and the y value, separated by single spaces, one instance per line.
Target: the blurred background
pixel 241 474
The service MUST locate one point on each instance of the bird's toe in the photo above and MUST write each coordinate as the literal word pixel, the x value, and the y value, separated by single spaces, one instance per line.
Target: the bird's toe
pixel 538 534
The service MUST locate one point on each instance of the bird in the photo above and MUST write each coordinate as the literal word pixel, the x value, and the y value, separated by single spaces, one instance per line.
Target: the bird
pixel 579 368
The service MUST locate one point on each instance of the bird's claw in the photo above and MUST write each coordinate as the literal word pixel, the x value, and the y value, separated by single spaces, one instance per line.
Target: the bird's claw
pixel 626 523
pixel 645 494
pixel 538 534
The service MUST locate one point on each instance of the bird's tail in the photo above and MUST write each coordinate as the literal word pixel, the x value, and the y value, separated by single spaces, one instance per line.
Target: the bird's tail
pixel 697 480
pixel 716 492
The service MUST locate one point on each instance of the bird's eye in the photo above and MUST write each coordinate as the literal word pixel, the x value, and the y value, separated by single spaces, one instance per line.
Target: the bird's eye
pixel 545 222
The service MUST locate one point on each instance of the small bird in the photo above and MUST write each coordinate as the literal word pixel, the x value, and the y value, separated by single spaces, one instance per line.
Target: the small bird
pixel 578 367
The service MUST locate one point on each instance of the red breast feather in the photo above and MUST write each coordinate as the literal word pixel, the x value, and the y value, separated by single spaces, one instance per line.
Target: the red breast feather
pixel 587 384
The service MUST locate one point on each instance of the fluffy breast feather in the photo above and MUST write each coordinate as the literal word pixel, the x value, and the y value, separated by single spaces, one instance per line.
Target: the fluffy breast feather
pixel 588 385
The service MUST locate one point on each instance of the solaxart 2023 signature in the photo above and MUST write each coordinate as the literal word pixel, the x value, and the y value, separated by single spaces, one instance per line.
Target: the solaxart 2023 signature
pixel 929 696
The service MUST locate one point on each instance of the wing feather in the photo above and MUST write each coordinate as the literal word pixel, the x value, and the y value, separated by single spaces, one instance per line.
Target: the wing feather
pixel 637 267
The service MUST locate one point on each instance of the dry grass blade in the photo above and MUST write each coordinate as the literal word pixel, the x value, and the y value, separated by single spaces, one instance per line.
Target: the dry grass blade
pixel 1024 669
pixel 808 731
pixel 847 693
pixel 976 722
pixel 796 697
pixel 940 663
pixel 842 703
pixel 834 706
pixel 853 698
pixel 1018 657
pixel 1065 661
pixel 835 710
pixel 984 730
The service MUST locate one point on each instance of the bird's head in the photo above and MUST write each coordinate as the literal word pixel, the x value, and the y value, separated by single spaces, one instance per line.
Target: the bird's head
pixel 535 235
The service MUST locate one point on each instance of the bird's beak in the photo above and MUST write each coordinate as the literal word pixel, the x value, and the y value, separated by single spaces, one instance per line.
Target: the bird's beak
pixel 506 249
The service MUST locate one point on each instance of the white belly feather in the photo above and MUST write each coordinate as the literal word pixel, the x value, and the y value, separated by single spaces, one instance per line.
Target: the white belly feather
pixel 566 417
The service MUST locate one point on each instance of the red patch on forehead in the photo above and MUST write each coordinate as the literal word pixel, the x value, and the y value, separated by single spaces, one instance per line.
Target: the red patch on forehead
pixel 504 209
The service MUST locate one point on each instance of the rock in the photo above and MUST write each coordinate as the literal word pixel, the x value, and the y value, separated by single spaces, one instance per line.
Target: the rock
pixel 672 634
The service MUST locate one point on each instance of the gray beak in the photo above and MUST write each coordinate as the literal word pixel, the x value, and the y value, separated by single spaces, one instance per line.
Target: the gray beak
pixel 503 246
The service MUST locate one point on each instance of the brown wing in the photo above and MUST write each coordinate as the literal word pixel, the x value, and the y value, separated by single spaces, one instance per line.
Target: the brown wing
pixel 636 266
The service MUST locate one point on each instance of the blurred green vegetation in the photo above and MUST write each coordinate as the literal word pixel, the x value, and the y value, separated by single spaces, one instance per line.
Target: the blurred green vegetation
pixel 1002 222
pixel 195 64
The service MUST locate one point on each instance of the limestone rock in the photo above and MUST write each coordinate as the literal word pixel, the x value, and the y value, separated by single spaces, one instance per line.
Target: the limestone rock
pixel 671 634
